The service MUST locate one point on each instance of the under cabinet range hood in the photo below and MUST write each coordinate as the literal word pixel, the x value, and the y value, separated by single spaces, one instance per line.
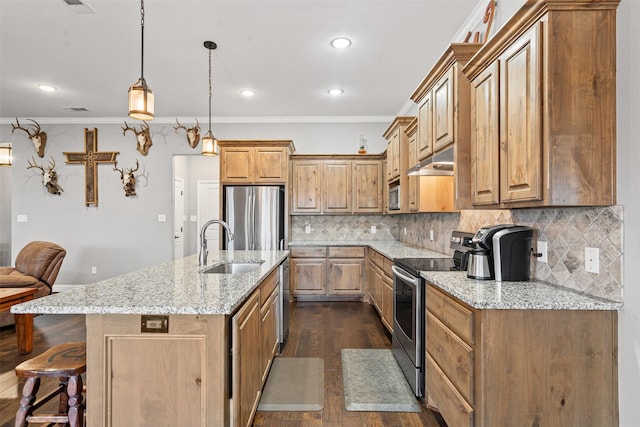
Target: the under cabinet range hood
pixel 439 164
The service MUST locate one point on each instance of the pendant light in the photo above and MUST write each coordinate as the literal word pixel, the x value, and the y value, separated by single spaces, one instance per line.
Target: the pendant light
pixel 140 96
pixel 5 154
pixel 209 142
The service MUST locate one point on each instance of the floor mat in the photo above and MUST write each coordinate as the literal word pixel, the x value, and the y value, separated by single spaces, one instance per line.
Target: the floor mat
pixel 373 381
pixel 294 384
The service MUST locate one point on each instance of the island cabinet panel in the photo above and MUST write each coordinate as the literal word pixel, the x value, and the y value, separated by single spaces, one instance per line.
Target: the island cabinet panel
pixel 245 358
pixel 553 66
pixel 268 332
pixel 521 367
pixel 142 371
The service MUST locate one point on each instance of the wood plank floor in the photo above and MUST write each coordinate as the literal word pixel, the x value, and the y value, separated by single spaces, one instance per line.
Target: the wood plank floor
pixel 317 330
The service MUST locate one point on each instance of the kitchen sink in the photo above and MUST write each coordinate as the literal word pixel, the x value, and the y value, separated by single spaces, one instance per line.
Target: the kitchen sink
pixel 234 267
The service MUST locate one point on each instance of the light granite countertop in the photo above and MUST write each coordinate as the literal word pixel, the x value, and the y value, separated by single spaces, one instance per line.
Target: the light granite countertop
pixel 175 287
pixel 530 295
pixel 390 248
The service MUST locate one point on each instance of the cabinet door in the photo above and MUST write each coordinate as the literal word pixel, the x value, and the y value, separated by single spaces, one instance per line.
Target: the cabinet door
pixel 443 108
pixel 414 181
pixel 345 276
pixel 376 288
pixel 425 127
pixel 485 143
pixel 337 186
pixel 387 302
pixel 367 185
pixel 306 186
pixel 268 333
pixel 520 124
pixel 308 276
pixel 393 155
pixel 246 361
pixel 270 165
pixel 236 164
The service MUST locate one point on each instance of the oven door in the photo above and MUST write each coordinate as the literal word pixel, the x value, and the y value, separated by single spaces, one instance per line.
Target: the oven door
pixel 408 326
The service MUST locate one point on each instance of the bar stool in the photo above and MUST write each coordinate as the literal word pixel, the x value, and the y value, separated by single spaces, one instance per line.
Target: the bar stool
pixel 66 362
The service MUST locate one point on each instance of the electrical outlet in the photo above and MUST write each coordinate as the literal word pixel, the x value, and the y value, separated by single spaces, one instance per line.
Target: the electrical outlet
pixel 592 260
pixel 162 218
pixel 431 234
pixel 542 250
pixel 373 229
pixel 405 230
pixel 94 269
pixel 22 218
pixel 307 229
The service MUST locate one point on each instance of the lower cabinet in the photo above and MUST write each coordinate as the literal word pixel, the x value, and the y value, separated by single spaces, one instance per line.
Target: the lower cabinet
pixel 488 368
pixel 321 272
pixel 380 284
pixel 254 345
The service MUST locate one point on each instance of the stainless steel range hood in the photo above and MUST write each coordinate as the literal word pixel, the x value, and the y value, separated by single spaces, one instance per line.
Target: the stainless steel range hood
pixel 438 164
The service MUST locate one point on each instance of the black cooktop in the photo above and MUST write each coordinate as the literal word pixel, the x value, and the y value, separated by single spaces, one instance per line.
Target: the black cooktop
pixel 415 265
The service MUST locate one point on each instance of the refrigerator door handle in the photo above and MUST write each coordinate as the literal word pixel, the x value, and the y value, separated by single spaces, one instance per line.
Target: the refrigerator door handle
pixel 252 208
pixel 282 244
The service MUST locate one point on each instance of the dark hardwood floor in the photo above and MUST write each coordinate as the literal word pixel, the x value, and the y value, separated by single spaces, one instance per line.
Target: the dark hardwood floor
pixel 317 330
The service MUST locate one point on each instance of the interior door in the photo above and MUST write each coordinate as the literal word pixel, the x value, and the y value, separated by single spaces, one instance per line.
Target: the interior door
pixel 178 218
pixel 208 207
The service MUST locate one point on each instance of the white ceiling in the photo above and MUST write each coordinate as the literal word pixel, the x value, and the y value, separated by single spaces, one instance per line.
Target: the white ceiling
pixel 278 48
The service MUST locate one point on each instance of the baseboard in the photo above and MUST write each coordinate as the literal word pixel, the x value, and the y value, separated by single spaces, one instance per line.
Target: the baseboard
pixel 62 287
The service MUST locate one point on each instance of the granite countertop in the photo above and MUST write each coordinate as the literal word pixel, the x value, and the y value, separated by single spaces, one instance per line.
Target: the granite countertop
pixel 390 248
pixel 531 295
pixel 175 287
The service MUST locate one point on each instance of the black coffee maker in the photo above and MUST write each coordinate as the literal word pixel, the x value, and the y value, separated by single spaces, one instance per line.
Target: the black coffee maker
pixel 501 252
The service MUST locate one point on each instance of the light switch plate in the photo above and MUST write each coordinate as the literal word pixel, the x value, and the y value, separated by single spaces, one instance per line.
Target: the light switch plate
pixel 22 218
pixel 307 229
pixel 162 218
pixel 592 260
pixel 374 229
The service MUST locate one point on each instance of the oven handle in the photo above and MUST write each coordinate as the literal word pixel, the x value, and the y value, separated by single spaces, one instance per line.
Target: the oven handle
pixel 402 274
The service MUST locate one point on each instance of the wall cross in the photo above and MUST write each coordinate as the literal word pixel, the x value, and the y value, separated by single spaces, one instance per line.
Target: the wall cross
pixel 91 157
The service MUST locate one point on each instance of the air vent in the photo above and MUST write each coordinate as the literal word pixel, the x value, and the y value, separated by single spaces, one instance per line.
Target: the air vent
pixel 76 109
pixel 79 6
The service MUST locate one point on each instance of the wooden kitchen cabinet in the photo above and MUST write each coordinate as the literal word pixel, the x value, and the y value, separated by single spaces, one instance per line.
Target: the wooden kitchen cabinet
pixel 398 159
pixel 444 110
pixel 380 285
pixel 326 273
pixel 269 294
pixel 336 184
pixel 490 368
pixel 543 94
pixel 254 162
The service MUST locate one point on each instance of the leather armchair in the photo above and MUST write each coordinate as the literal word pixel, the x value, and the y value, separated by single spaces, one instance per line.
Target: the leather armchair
pixel 37 266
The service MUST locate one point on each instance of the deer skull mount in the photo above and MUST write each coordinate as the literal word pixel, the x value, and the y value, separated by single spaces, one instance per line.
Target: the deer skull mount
pixel 193 133
pixel 143 137
pixel 49 176
pixel 128 179
pixel 36 136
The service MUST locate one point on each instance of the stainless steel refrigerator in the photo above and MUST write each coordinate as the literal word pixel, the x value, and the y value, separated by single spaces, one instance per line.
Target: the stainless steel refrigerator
pixel 256 217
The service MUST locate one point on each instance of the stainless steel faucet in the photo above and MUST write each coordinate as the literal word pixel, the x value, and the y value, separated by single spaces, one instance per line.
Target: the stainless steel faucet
pixel 202 258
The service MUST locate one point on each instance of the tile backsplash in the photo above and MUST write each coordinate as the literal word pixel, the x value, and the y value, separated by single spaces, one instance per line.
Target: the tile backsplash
pixel 567 230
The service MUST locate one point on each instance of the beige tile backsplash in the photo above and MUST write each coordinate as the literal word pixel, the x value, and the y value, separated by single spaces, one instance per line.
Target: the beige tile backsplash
pixel 567 230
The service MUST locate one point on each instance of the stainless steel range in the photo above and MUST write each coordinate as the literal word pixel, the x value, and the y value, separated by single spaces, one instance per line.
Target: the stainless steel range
pixel 409 304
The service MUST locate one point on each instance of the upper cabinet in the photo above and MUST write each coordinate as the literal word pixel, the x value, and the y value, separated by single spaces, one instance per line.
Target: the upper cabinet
pixel 543 108
pixel 336 184
pixel 254 162
pixel 444 117
pixel 398 159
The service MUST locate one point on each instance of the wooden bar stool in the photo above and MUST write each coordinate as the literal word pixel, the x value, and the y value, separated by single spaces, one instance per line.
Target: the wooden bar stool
pixel 66 362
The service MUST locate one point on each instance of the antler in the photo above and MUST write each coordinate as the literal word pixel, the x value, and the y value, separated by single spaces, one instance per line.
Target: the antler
pixel 34 165
pixel 52 164
pixel 19 126
pixel 137 167
pixel 144 125
pixel 127 127
pixel 179 126
pixel 115 168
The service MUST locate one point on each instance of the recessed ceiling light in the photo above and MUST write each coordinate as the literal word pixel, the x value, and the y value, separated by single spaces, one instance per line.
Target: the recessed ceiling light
pixel 335 92
pixel 47 88
pixel 248 93
pixel 341 43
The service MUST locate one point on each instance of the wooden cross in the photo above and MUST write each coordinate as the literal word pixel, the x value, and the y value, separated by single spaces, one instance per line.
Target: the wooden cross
pixel 91 157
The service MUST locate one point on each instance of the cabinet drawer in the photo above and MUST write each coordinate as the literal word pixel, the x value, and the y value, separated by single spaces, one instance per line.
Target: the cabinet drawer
pixel 386 266
pixel 268 285
pixel 457 317
pixel 375 257
pixel 454 356
pixel 346 252
pixel 454 409
pixel 309 252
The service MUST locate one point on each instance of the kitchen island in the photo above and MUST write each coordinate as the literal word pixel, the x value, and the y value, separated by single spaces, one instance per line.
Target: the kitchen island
pixel 164 345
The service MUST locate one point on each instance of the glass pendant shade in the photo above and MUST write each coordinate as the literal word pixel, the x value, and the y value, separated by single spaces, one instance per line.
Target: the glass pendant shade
pixel 209 145
pixel 5 155
pixel 141 101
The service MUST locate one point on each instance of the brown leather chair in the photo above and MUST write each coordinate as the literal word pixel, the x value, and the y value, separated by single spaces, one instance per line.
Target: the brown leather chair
pixel 37 266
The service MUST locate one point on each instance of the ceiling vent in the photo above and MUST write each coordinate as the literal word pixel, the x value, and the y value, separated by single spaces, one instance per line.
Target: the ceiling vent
pixel 79 6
